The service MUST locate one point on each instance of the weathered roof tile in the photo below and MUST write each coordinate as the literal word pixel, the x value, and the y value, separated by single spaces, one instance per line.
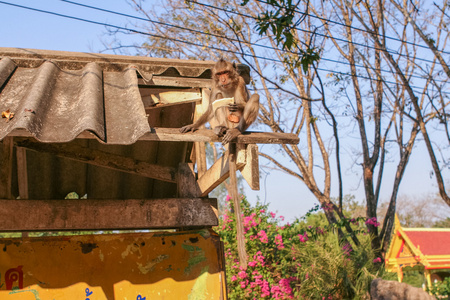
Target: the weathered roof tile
pixel 58 95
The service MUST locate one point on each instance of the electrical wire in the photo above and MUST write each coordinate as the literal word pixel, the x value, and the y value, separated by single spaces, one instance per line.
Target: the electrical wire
pixel 307 31
pixel 225 37
pixel 178 40
pixel 359 29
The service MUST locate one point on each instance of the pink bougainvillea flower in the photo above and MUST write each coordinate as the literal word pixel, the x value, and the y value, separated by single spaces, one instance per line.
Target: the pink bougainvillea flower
pixel 279 241
pixel 242 274
pixel 263 237
pixel 372 221
pixel 347 248
pixel 243 284
pixel 252 263
pixel 233 278
pixel 377 260
pixel 303 237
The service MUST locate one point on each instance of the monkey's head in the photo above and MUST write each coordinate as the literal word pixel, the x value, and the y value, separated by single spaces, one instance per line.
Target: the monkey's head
pixel 225 75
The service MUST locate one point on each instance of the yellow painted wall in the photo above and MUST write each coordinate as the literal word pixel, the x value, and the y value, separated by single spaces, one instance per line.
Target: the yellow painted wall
pixel 134 266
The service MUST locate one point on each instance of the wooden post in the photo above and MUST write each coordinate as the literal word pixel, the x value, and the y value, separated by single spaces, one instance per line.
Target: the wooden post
pixel 250 172
pixel 428 278
pixel 200 147
pixel 187 183
pixel 200 153
pixel 22 173
pixel 237 207
pixel 6 154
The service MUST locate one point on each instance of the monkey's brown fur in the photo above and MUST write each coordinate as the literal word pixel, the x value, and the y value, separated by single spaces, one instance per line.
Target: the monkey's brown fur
pixel 228 121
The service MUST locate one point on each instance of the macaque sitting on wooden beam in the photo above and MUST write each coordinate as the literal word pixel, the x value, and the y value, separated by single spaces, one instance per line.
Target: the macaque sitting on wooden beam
pixel 231 109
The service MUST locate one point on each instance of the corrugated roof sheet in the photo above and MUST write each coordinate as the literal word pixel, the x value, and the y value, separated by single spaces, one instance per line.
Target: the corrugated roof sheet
pixel 58 95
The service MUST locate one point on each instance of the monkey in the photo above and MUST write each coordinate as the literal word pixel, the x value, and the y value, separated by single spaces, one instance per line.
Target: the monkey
pixel 231 120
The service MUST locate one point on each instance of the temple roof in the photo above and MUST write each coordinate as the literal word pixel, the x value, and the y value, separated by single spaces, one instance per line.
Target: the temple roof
pixel 430 241
pixel 429 247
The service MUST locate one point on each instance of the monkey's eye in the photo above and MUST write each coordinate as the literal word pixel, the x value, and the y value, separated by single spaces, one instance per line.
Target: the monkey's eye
pixel 222 73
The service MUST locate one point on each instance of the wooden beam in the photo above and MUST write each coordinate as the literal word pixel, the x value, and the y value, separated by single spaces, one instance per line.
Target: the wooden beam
pixel 250 172
pixel 6 163
pixel 103 159
pixel 201 135
pixel 82 214
pixel 219 172
pixel 22 172
pixel 187 183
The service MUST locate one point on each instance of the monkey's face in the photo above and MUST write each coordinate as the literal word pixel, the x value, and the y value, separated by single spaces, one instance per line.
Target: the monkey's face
pixel 224 80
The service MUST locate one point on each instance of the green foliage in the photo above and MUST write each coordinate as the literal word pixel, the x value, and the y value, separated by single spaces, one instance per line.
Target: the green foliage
pixel 334 270
pixel 280 18
pixel 441 289
pixel 414 276
pixel 300 260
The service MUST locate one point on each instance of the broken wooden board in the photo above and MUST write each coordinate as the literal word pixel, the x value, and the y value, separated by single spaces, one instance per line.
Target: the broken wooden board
pixel 89 214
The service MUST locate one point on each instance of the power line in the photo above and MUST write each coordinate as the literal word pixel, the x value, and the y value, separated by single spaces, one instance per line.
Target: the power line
pixel 308 31
pixel 222 36
pixel 178 40
pixel 360 29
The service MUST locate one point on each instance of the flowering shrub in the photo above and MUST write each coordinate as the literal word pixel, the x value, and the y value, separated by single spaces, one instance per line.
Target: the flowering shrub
pixel 441 289
pixel 294 261
pixel 271 271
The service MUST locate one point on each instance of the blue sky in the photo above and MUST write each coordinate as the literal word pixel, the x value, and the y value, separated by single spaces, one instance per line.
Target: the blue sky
pixel 23 28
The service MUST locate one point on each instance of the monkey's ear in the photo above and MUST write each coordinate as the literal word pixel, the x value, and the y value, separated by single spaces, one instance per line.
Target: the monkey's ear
pixel 234 66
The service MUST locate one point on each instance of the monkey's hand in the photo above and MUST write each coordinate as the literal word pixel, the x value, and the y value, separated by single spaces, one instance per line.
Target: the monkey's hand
pixel 230 135
pixel 188 128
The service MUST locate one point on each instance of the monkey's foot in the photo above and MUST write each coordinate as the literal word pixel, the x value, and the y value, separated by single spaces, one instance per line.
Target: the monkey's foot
pixel 230 135
pixel 220 130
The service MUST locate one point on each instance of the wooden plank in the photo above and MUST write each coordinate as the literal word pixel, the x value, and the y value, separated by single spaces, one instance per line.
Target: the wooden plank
pixel 219 172
pixel 82 214
pixel 250 172
pixel 200 158
pixel 22 172
pixel 206 135
pixel 187 183
pixel 153 96
pixel 201 135
pixel 6 163
pixel 237 207
pixel 103 159
pixel 164 81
